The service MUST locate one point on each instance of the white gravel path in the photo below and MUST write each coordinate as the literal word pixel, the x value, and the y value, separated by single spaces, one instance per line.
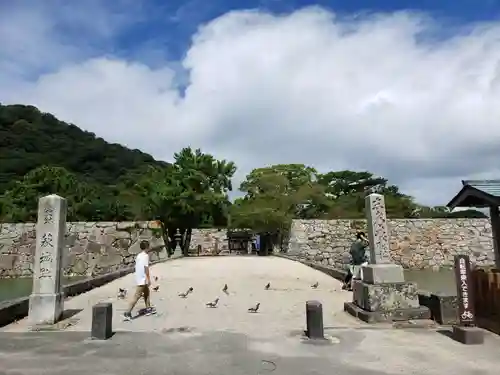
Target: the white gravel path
pixel 282 308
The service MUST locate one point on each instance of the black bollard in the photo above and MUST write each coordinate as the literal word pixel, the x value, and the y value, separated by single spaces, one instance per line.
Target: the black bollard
pixel 102 318
pixel 314 317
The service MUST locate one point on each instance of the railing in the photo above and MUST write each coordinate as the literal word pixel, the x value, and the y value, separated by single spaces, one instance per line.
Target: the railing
pixel 487 298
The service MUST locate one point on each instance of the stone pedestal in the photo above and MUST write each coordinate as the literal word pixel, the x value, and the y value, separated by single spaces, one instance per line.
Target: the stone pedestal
pixel 468 335
pixel 383 273
pixel 385 297
pixel 387 302
pixel 444 308
pixel 45 309
pixel 46 300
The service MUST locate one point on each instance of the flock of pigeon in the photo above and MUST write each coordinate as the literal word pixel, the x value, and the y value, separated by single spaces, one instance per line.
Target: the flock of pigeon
pixel 122 293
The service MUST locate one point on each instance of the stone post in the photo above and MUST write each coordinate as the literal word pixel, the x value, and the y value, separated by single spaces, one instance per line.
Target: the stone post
pixel 46 300
pixel 102 321
pixel 382 270
pixel 314 320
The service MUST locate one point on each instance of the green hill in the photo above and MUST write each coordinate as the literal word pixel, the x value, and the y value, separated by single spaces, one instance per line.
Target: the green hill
pixel 30 139
pixel 41 155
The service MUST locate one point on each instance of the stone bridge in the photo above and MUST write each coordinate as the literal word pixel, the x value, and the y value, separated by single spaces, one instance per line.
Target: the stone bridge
pixel 282 306
pixel 186 337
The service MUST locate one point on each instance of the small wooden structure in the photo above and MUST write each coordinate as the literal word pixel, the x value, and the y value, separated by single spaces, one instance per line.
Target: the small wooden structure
pixel 485 283
pixel 239 241
pixel 482 194
pixel 486 286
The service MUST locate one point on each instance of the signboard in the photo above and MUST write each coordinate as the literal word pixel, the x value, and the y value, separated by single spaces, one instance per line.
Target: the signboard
pixel 466 313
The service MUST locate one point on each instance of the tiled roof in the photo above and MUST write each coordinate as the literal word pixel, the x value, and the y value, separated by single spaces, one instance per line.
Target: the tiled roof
pixel 491 187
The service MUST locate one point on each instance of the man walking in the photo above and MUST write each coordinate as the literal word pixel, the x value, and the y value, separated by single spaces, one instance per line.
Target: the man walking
pixel 143 281
pixel 358 260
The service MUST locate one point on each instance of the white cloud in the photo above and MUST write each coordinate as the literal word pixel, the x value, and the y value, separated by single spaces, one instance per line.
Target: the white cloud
pixel 361 93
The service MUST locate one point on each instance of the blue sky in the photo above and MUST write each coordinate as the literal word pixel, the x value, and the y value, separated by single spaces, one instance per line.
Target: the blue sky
pixel 405 89
pixel 181 18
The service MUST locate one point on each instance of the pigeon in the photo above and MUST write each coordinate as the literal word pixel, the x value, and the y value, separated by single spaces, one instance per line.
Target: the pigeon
pixel 213 304
pixel 225 289
pixel 156 288
pixel 315 285
pixel 254 309
pixel 122 293
pixel 267 286
pixel 184 295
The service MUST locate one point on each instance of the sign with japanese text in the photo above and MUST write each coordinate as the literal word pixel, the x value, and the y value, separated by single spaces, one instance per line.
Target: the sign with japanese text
pixel 466 313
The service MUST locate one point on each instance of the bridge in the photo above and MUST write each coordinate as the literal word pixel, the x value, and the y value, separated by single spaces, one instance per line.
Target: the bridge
pixel 186 337
pixel 282 305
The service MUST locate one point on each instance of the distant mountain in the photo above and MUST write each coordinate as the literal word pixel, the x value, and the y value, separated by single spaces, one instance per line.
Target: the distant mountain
pixel 30 139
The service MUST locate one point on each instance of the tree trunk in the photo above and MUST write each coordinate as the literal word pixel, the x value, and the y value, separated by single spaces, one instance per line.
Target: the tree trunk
pixel 171 243
pixel 166 241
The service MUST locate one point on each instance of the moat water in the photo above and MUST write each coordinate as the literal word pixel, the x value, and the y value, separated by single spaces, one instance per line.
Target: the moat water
pixel 21 287
pixel 442 281
pixel 439 282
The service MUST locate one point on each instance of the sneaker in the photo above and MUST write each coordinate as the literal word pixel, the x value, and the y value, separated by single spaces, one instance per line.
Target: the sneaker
pixel 150 311
pixel 127 316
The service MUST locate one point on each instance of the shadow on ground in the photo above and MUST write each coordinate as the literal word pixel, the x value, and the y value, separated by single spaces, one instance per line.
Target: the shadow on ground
pixel 175 351
pixel 69 313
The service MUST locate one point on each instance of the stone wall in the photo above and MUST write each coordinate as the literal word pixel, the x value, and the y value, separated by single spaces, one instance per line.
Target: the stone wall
pixel 414 243
pixel 98 248
pixel 94 248
pixel 209 240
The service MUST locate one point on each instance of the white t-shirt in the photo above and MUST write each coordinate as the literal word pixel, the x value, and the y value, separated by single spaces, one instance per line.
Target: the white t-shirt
pixel 141 261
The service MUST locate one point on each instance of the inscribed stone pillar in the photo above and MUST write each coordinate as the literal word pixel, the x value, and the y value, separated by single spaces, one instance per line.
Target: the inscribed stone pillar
pixel 46 300
pixel 382 270
pixel 378 234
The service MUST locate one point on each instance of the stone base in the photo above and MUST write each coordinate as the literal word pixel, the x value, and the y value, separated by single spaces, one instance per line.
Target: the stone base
pixel 383 273
pixel 468 335
pixel 444 308
pixel 45 309
pixel 395 315
pixel 385 297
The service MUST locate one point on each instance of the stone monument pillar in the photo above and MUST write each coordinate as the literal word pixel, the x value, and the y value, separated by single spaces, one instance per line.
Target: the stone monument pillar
pixel 382 269
pixel 46 300
pixel 383 294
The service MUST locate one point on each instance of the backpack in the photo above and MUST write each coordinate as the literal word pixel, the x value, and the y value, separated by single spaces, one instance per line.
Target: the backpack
pixel 358 253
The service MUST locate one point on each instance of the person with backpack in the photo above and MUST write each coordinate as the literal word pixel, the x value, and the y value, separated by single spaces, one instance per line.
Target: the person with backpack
pixel 358 260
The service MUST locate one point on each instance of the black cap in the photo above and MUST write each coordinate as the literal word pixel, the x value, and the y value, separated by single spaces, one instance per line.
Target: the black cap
pixel 360 234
